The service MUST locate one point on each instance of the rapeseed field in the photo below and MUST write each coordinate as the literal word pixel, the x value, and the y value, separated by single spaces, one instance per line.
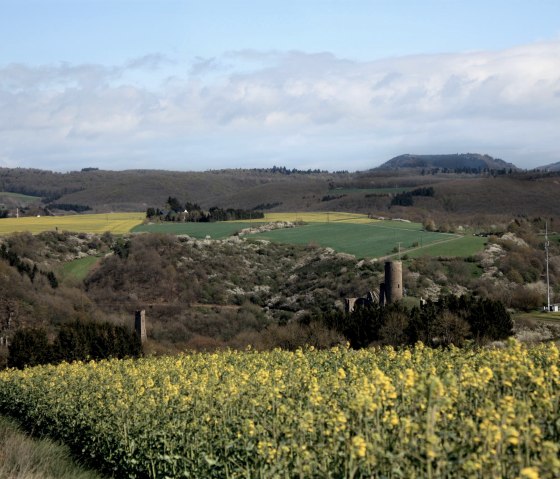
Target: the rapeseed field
pixel 340 413
pixel 93 223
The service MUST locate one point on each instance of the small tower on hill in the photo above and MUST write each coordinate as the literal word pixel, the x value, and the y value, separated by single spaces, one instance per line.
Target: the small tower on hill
pixel 140 325
pixel 391 290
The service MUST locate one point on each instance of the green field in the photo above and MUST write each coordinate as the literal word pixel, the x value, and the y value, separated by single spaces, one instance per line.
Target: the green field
pixel 79 268
pixel 348 233
pixel 539 316
pixel 376 239
pixel 462 246
pixel 218 230
pixel 17 198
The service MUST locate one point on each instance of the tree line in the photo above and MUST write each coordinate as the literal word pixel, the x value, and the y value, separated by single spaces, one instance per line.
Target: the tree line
pixel 75 341
pixel 25 268
pixel 449 320
pixel 406 198
pixel 192 212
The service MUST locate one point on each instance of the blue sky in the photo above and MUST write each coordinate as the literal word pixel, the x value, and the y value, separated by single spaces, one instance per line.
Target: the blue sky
pixel 195 85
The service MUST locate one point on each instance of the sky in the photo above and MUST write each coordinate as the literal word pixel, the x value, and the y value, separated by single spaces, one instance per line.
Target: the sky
pixel 335 85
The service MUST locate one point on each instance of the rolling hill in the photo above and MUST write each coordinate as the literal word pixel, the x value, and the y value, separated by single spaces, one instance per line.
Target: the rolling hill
pixel 459 161
pixel 551 167
pixel 459 193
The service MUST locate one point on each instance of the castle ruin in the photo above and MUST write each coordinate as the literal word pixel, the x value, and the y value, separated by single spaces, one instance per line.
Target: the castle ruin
pixel 390 290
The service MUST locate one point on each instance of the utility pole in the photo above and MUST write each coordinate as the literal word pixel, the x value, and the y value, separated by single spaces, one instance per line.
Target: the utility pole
pixel 546 244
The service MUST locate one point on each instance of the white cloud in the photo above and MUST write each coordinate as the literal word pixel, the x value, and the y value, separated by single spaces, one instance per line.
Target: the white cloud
pixel 259 108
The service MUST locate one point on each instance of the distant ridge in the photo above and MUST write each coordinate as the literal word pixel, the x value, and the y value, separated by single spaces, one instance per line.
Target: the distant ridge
pixel 551 167
pixel 458 161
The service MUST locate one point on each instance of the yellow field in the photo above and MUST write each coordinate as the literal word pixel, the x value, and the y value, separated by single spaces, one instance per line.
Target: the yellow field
pixel 339 413
pixel 95 223
pixel 314 217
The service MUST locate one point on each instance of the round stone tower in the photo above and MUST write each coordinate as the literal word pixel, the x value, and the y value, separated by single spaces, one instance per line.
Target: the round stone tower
pixel 393 281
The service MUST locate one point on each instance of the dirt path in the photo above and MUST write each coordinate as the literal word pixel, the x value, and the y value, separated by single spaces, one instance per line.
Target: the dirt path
pixel 421 247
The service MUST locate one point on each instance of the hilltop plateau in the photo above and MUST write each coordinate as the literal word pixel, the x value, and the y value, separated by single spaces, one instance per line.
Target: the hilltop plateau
pixel 458 161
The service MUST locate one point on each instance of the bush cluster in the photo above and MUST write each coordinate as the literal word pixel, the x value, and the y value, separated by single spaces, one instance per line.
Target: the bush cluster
pixel 76 341
pixel 450 320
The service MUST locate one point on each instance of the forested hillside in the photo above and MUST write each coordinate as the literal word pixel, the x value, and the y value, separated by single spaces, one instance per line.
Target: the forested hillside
pixel 459 198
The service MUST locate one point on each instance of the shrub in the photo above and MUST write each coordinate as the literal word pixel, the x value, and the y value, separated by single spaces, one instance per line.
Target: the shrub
pixel 29 347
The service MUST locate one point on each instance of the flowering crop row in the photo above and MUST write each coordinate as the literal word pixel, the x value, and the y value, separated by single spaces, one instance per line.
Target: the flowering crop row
pixel 330 414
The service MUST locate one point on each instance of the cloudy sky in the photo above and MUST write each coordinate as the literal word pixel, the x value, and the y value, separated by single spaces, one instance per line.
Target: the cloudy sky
pixel 207 84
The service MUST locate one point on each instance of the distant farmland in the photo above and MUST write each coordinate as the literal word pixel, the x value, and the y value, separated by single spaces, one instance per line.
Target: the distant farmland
pixel 95 223
pixel 223 229
pixel 345 232
pixel 376 239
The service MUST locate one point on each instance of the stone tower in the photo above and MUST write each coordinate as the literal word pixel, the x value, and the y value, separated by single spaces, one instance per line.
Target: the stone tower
pixel 392 290
pixel 140 325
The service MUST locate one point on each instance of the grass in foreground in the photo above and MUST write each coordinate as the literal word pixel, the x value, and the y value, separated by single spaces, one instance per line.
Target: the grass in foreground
pixel 23 457
pixel 95 223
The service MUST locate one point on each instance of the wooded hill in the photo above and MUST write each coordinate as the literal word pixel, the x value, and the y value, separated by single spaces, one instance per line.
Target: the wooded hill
pixel 460 161
pixel 458 198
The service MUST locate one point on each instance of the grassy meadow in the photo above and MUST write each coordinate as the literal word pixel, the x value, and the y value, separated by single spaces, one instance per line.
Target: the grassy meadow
pixel 95 223
pixel 78 269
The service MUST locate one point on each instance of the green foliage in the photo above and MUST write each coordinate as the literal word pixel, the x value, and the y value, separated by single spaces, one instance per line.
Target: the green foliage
pixel 89 340
pixel 26 267
pixel 29 347
pixel 406 198
pixel 450 320
pixel 77 340
pixel 121 247
pixel 69 207
pixel 174 204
